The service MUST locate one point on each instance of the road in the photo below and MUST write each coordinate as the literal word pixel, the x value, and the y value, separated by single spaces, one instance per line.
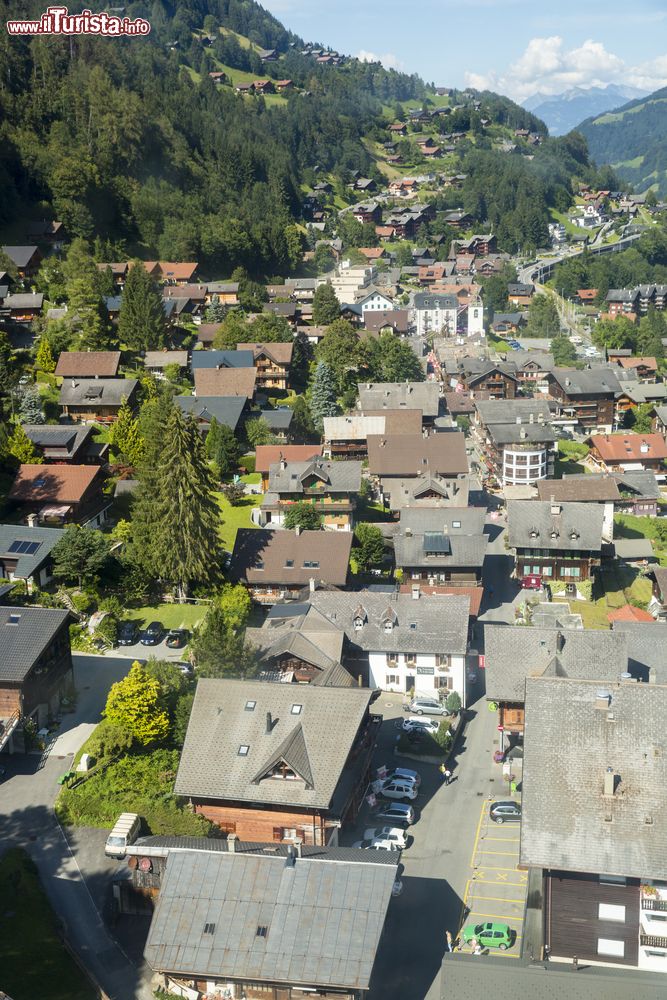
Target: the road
pixel 75 877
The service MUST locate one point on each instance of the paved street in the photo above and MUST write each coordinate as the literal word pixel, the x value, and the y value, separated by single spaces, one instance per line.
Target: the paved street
pixel 75 874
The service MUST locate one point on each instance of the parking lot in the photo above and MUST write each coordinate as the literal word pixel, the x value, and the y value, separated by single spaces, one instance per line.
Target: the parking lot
pixel 495 888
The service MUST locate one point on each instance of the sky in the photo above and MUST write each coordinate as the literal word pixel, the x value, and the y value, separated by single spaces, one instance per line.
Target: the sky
pixel 515 47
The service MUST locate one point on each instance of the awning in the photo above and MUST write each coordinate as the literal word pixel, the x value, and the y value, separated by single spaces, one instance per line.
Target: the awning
pixel 53 511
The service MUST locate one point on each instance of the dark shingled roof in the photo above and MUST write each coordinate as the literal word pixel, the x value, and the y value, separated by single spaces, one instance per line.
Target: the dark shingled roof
pixel 226 409
pixel 576 528
pixel 413 454
pixel 30 546
pixel 578 732
pixel 24 635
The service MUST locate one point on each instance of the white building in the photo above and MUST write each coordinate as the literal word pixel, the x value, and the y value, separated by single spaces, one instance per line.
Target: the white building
pixel 411 642
pixel 349 282
pixel 435 314
pixel 373 300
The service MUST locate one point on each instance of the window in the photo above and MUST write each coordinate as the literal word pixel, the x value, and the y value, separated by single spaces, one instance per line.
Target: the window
pixel 250 706
pixel 611 947
pixel 413 625
pixel 310 564
pixel 547 571
pixel 284 833
pixel 613 880
pixel 607 911
pixel 243 750
pixel 209 928
pixel 261 931
pixel 289 563
pixel 456 524
pixel 442 661
pixel 227 828
pixel 571 571
pixel 296 709
pixel 392 679
pixel 259 564
pixel 410 659
pixel 444 682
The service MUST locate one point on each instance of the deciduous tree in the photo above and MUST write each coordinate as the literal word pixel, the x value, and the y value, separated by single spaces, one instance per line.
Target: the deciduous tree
pixel 135 704
pixel 326 307
pixel 21 447
pixel 303 515
pixel 370 545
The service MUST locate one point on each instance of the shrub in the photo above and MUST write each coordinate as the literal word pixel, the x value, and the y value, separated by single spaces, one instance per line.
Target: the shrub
pixel 453 702
pixel 585 588
pixel 107 630
pixel 573 450
pixel 248 462
pixel 444 737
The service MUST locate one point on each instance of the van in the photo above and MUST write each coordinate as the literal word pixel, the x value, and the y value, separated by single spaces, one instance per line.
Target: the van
pixel 124 833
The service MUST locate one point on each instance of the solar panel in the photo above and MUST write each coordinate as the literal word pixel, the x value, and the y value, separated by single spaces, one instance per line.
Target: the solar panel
pixel 24 547
pixel 435 542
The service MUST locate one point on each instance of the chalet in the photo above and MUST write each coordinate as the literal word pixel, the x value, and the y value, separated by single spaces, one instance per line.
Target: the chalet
pixel 622 302
pixel 36 669
pixel 372 299
pixel 155 362
pixel 67 443
pixel 628 452
pixel 54 495
pixel 602 490
pixel 585 398
pixel 172 272
pixel 330 487
pixel 427 491
pixel 520 294
pixel 263 87
pixel 516 440
pixel 346 436
pixel 118 272
pixel 508 322
pixel 458 219
pixel 97 400
pixel 280 770
pixel 25 259
pixel 398 128
pixel 244 88
pixel 257 879
pixel 591 820
pixel 279 565
pixel 220 359
pixel 555 541
pixel 645 369
pixel 219 78
pixel 88 364
pixel 635 492
pixel 267 455
pixel 423 396
pixel 25 553
pixel 268 55
pixel 272 363
pixel 224 381
pixel 289 311
pixel 302 289
pixel 405 456
pixel 387 321
pixel 402 642
pixel 225 293
pixel 227 410
pixel 441 545
pixel 279 420
pixel 367 212
pixel 46 231
pixel 187 297
pixel 112 304
pixel 298 645
pixel 658 603
pixel 23 307
pixel 206 334
pixel 487 379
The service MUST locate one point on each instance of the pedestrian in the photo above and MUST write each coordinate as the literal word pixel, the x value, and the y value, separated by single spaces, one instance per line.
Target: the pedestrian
pixel 450 943
pixel 443 772
pixel 448 775
pixel 476 947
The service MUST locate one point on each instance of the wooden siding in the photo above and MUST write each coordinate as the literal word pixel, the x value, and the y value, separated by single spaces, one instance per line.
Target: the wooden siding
pixel 10 701
pixel 260 825
pixel 573 925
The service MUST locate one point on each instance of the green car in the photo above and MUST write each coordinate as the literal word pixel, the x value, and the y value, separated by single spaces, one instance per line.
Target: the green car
pixel 489 935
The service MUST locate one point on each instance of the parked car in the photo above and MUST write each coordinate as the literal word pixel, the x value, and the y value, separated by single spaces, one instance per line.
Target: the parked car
pixel 532 582
pixel 376 845
pixel 426 706
pixel 399 790
pixel 489 935
pixel 393 833
pixel 403 774
pixel 185 668
pixel 128 633
pixel 396 813
pixel 177 638
pixel 505 812
pixel 152 634
pixel 416 723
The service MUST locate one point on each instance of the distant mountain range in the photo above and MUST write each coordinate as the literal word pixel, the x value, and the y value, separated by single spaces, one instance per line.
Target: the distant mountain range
pixel 563 112
pixel 633 139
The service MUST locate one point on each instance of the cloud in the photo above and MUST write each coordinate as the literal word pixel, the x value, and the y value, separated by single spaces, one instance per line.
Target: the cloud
pixel 388 60
pixel 547 67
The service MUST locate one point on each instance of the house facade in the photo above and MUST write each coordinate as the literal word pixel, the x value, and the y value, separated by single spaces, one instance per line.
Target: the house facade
pixel 555 541
pixel 272 363
pixel 516 440
pixel 628 452
pixel 585 398
pixel 330 487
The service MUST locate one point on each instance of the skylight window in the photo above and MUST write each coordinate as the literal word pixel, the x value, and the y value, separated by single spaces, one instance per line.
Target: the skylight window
pixel 296 709
pixel 243 750
pixel 250 706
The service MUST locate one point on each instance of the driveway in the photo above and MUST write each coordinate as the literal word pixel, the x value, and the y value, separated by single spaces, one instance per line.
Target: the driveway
pixel 75 877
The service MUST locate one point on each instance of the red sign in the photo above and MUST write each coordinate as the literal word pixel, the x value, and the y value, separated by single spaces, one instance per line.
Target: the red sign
pixel 482 661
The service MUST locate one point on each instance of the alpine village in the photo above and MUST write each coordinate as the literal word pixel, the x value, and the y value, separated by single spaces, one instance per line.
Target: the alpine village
pixel 333 530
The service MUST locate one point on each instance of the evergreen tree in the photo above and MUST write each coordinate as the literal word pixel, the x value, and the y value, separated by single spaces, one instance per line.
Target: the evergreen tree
pixel 326 307
pixel 222 447
pixel 543 319
pixel 21 447
pixel 141 323
pixel 125 437
pixel 8 265
pixel 370 545
pixel 7 371
pixel 80 554
pixel 85 304
pixel 175 513
pixel 30 407
pixel 218 651
pixel 323 395
pixel 44 360
pixel 302 428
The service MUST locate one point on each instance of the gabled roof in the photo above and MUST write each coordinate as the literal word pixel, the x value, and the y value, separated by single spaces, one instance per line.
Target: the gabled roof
pixel 282 557
pixel 338 477
pixel 280 353
pixel 159 359
pixel 24 635
pixel 88 364
pixel 53 483
pixel 584 489
pixel 221 359
pixel 415 492
pixel 587 382
pixel 21 256
pixel 25 300
pixel 574 527
pixel 408 454
pixel 229 714
pixel 267 455
pixel 226 409
pixel 301 631
pixel 629 447
pixel 31 547
pixel 225 382
pixel 424 396
pixel 97 391
pixel 293 753
pixel 66 439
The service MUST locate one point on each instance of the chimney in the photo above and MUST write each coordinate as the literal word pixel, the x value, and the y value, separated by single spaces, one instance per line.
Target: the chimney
pixel 531 418
pixel 602 699
pixel 609 783
pixel 408 532
pixel 556 509
pixel 269 723
pixel 523 434
pixel 32 520
pixel 311 584
pixel 283 463
pixel 297 530
pixel 560 641
pixel 297 847
pixel 416 592
pixel 231 842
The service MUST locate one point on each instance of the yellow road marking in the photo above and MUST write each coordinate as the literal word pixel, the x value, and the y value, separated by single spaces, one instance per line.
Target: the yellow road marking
pixel 479 826
pixel 505 840
pixel 499 899
pixel 496 916
pixel 496 868
pixel 505 854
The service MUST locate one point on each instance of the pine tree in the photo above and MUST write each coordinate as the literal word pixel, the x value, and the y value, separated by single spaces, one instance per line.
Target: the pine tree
pixel 44 360
pixel 222 447
pixel 141 324
pixel 176 515
pixel 21 447
pixel 125 437
pixel 323 394
pixel 30 407
pixel 86 304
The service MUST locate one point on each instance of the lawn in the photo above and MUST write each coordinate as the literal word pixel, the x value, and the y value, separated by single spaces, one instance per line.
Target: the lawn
pixel 234 518
pixel 33 960
pixel 630 526
pixel 593 613
pixel 170 615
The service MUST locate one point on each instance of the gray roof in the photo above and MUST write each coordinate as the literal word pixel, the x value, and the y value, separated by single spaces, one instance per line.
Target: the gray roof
pixel 66 437
pixel 582 488
pixel 647 649
pixel 24 635
pixel 158 359
pixel 466 978
pixel 307 742
pixel 452 520
pixel 26 300
pixel 517 433
pixel 280 419
pixel 514 652
pixel 576 528
pixel 424 396
pixel 435 550
pixel 576 733
pixel 429 625
pixel 542 359
pixel 221 359
pixel 406 493
pixel 321 920
pixel 641 483
pixel 226 409
pixel 643 392
pixel 96 391
pixel 301 630
pixel 21 256
pixel 513 411
pixel 398 455
pixel 31 546
pixel 633 549
pixel 588 381
pixel 161 846
pixel 338 477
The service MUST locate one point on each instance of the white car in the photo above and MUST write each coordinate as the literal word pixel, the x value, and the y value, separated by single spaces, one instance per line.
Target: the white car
pixel 399 790
pixel 402 773
pixel 393 833
pixel 377 844
pixel 417 723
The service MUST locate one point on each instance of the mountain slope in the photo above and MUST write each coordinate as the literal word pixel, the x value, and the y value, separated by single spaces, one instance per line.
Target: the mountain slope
pixel 562 112
pixel 633 140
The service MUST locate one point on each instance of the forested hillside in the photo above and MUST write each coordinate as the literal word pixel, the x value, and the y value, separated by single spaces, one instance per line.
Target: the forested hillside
pixel 633 140
pixel 131 141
